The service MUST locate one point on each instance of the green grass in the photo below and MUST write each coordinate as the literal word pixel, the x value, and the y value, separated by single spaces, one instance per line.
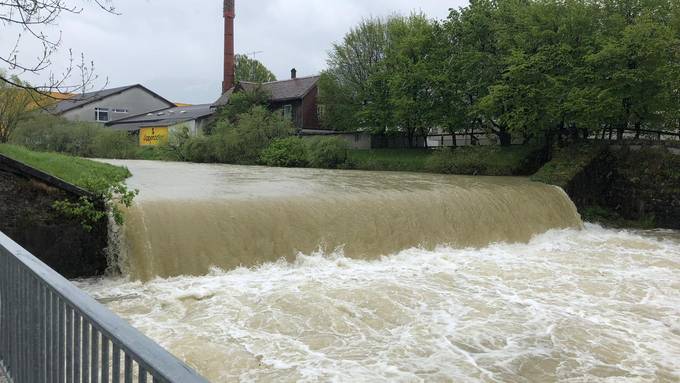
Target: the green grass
pixel 567 163
pixel 405 160
pixel 74 170
pixel 469 160
pixel 518 160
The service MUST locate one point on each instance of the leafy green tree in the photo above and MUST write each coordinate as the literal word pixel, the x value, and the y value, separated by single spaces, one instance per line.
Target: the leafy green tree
pixel 411 78
pixel 478 55
pixel 252 70
pixel 339 108
pixel 353 90
pixel 243 141
pixel 242 102
pixel 635 62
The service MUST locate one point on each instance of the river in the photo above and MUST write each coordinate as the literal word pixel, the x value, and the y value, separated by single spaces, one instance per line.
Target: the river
pixel 315 275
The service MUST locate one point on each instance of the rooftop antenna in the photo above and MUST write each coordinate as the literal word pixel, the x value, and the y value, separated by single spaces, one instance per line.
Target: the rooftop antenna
pixel 253 54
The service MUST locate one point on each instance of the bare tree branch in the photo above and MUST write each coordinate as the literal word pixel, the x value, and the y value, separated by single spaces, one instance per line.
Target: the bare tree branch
pixel 31 18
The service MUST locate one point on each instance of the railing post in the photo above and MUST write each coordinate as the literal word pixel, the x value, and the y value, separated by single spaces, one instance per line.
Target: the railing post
pixel 50 331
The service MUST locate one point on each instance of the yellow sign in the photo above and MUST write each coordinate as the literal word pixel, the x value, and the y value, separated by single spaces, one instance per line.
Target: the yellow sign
pixel 153 136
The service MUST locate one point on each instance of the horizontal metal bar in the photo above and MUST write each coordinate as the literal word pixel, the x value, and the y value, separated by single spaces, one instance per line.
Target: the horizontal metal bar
pixel 60 292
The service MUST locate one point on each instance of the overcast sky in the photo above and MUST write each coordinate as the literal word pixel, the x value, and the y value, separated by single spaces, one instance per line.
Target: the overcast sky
pixel 174 47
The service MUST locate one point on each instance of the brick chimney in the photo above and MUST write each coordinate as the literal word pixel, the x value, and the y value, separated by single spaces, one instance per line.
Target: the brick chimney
pixel 293 74
pixel 229 59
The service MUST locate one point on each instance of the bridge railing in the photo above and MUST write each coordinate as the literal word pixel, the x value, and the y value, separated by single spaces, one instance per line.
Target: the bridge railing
pixel 51 331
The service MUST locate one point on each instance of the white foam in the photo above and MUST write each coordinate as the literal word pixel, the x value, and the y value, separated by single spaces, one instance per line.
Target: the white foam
pixel 570 305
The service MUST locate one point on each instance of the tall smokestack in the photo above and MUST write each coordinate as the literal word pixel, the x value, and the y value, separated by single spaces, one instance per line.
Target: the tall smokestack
pixel 229 60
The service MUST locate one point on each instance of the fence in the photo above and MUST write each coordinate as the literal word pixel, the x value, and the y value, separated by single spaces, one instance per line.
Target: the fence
pixel 52 332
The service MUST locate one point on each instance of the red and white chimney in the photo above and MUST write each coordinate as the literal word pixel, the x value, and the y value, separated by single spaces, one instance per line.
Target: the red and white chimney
pixel 229 59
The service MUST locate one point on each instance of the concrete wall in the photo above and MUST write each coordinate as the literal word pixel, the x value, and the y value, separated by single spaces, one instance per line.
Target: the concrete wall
pixel 135 100
pixel 27 216
pixel 637 184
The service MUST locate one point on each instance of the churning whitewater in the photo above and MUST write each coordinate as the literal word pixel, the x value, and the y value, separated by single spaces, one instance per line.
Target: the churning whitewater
pixel 191 217
pixel 531 296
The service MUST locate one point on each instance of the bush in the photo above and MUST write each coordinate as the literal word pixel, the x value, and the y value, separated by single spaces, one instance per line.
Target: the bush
pixel 327 152
pixel 403 160
pixel 243 141
pixel 47 133
pixel 484 160
pixel 287 152
pixel 114 144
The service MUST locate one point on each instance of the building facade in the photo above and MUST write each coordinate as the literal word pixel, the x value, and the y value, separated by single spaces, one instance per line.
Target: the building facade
pixel 296 99
pixel 109 105
pixel 154 128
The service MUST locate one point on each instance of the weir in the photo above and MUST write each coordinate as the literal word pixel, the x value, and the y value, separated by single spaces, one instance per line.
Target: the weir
pixel 191 218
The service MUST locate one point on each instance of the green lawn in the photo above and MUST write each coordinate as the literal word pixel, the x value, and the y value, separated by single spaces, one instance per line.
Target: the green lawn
pixel 74 170
pixel 406 160
pixel 567 163
pixel 469 160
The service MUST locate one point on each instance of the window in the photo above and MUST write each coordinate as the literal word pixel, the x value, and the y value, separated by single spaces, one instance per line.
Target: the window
pixel 121 111
pixel 101 114
pixel 288 112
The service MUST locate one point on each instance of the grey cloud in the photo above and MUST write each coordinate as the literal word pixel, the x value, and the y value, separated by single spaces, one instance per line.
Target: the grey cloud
pixel 176 49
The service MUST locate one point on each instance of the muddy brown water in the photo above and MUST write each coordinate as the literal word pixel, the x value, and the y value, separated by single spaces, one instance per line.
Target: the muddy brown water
pixel 257 274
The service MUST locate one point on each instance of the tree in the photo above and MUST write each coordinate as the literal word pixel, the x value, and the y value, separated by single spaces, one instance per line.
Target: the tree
pixel 411 75
pixel 16 103
pixel 339 108
pixel 28 20
pixel 354 90
pixel 476 51
pixel 242 102
pixel 252 70
pixel 634 63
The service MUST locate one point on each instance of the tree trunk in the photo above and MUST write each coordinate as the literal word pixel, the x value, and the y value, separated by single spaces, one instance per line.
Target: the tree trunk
pixel 410 134
pixel 504 137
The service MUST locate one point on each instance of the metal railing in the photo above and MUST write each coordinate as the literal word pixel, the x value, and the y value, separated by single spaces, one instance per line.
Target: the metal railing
pixel 51 331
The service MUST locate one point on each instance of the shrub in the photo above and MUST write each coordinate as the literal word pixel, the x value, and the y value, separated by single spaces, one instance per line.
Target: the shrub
pixel 114 144
pixel 243 141
pixel 287 152
pixel 484 160
pixel 327 152
pixel 47 133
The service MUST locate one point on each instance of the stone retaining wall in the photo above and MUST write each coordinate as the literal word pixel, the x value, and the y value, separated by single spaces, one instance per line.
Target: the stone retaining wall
pixel 26 198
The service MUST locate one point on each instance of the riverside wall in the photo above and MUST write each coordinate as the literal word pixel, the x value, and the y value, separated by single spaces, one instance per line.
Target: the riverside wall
pixel 632 184
pixel 27 216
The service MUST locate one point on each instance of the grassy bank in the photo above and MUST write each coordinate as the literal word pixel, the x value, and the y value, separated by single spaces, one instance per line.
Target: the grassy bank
pixel 618 185
pixel 74 170
pixel 567 163
pixel 405 160
pixel 469 160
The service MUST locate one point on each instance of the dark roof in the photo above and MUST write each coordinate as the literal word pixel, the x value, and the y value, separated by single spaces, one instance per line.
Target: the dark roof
pixel 293 89
pixel 90 97
pixel 163 117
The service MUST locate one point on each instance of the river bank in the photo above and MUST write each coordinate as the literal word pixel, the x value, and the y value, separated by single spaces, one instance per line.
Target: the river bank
pixel 624 186
pixel 634 186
